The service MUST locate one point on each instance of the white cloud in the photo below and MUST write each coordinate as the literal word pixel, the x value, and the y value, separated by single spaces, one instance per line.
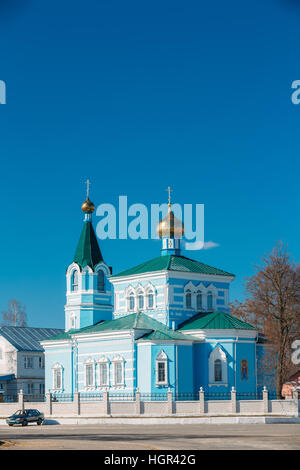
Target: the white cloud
pixel 200 245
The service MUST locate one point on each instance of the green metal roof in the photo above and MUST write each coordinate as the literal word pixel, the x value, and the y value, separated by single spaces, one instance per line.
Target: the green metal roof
pixel 166 335
pixel 87 252
pixel 133 321
pixel 173 263
pixel 215 321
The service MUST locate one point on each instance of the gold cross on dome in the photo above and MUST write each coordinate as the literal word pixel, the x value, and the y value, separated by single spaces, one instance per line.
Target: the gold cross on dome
pixel 88 184
pixel 169 192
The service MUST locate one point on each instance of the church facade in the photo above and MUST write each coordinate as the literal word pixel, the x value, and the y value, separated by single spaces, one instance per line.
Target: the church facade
pixel 162 325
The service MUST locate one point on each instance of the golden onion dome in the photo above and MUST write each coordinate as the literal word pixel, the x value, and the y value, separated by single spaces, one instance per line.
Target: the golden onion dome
pixel 170 226
pixel 88 207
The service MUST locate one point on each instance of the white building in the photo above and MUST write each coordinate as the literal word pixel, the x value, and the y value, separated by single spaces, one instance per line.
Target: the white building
pixel 22 363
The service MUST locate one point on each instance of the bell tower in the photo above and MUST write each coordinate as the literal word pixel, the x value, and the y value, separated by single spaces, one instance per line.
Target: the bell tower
pixel 89 292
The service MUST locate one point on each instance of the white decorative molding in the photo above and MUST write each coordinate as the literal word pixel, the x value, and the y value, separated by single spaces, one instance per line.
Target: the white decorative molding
pixel 218 354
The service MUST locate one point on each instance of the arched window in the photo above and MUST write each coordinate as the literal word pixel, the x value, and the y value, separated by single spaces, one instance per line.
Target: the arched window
pixel 217 363
pixel 209 301
pixel 72 321
pixel 188 299
pixel 131 302
pixel 218 370
pixel 199 300
pixel 161 369
pixel 141 300
pixel 74 281
pixel 150 300
pixel 57 377
pixel 100 281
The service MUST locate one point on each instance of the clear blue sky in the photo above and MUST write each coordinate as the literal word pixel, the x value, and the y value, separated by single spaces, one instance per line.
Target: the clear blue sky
pixel 137 96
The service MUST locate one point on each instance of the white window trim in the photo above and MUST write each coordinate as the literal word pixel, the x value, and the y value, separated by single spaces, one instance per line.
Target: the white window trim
pixel 218 353
pixel 161 358
pixel 104 360
pixel 54 369
pixel 89 362
pixel 150 289
pixel 118 359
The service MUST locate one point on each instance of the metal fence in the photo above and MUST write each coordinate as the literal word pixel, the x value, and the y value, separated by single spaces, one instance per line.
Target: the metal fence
pixel 185 396
pixel 146 397
pixel 85 396
pixel 217 396
pixel 8 398
pixel 154 397
pixel 121 396
pixel 59 397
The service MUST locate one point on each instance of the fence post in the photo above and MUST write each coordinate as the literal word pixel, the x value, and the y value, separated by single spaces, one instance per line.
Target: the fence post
pixel 266 400
pixel 49 404
pixel 21 399
pixel 233 400
pixel 201 400
pixel 106 402
pixel 296 401
pixel 137 402
pixel 77 403
pixel 170 402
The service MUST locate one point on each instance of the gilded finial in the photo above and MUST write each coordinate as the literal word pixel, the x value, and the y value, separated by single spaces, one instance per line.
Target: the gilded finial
pixel 88 207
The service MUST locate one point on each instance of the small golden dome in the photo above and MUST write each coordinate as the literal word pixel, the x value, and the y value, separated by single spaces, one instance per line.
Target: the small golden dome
pixel 170 226
pixel 88 207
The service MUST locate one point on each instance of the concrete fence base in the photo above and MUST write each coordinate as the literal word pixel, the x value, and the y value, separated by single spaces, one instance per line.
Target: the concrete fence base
pixel 138 408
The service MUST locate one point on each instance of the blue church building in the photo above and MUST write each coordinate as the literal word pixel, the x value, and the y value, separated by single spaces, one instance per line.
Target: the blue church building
pixel 162 325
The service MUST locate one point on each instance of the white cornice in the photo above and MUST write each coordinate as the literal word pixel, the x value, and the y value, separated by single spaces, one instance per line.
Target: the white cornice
pixel 219 333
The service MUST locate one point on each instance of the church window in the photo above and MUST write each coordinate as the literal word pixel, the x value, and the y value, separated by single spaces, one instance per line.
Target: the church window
pixel 209 301
pixel 73 322
pixel 89 374
pixel 188 299
pixel 161 368
pixel 74 281
pixel 103 374
pixel 199 300
pixel 218 370
pixel 141 300
pixel 161 372
pixel 150 300
pixel 100 281
pixel 218 366
pixel 131 302
pixel 118 365
pixel 57 377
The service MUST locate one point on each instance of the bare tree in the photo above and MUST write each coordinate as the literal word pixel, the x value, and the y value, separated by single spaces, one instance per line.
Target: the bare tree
pixel 15 315
pixel 273 306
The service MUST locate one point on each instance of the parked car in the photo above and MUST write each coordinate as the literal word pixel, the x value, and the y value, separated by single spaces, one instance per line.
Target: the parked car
pixel 25 417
